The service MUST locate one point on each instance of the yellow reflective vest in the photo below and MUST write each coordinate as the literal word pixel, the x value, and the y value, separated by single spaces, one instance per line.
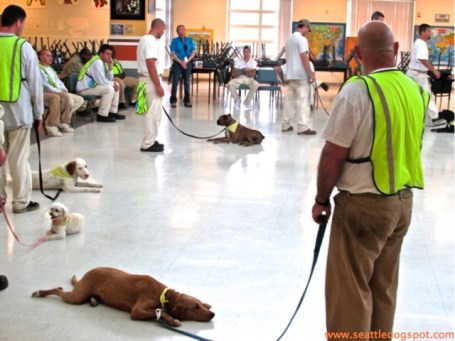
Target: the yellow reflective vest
pixel 10 68
pixel 83 71
pixel 399 107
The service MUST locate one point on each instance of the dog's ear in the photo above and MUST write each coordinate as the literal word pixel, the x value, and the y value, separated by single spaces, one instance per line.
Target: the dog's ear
pixel 71 167
pixel 65 210
pixel 229 116
pixel 208 306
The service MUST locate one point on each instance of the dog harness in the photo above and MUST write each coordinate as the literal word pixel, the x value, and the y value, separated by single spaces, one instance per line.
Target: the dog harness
pixel 57 222
pixel 233 127
pixel 60 171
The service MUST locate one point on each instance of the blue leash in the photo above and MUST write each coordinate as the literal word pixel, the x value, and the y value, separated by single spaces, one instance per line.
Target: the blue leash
pixel 194 336
pixel 317 247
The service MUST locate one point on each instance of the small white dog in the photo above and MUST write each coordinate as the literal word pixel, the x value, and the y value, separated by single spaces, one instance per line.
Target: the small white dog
pixel 63 222
pixel 65 177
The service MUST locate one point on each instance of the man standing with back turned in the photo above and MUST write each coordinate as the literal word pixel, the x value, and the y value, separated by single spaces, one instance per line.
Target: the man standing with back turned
pixel 21 95
pixel 372 155
pixel 150 70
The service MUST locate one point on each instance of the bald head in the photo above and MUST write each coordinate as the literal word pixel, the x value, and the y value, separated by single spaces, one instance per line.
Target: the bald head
pixel 376 47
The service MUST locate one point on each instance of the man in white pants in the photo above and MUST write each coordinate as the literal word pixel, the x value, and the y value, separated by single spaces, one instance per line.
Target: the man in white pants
pixel 150 70
pixel 243 73
pixel 420 64
pixel 21 95
pixel 97 78
pixel 300 76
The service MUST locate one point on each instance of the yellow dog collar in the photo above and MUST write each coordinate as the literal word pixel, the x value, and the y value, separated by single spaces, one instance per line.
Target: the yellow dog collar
pixel 163 299
pixel 60 171
pixel 233 127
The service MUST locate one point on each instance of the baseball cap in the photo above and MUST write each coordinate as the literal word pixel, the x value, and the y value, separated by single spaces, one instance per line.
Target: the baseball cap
pixel 305 22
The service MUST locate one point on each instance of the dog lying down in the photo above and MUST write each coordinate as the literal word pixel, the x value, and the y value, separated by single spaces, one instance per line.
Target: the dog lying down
pixel 63 222
pixel 236 133
pixel 65 177
pixel 140 295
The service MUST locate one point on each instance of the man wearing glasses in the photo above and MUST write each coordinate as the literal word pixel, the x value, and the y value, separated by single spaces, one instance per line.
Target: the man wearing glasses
pixel 182 52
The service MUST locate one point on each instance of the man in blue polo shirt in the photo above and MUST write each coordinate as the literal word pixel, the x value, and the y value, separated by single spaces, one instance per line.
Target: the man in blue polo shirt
pixel 182 52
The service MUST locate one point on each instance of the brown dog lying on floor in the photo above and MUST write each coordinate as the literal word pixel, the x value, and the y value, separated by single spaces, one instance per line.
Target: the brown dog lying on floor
pixel 140 295
pixel 236 133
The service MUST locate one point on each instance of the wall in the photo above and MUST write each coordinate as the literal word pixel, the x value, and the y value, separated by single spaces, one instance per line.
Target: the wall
pixel 426 10
pixel 320 11
pixel 198 13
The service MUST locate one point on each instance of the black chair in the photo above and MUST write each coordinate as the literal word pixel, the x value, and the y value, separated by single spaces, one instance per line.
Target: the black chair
pixel 90 99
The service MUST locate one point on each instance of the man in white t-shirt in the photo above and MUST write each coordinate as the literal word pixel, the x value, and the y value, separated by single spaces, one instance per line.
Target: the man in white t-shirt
pixel 420 64
pixel 150 70
pixel 300 76
pixel 243 74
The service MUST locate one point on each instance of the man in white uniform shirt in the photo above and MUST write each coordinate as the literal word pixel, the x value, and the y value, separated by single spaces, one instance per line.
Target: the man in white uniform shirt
pixel 420 64
pixel 300 76
pixel 97 78
pixel 243 73
pixel 150 70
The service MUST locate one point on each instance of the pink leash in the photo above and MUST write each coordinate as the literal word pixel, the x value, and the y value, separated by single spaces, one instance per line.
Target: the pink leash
pixel 11 228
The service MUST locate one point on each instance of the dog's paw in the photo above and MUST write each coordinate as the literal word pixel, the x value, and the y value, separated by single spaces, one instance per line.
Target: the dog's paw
pixel 93 301
pixel 98 186
pixel 177 323
pixel 36 294
pixel 96 190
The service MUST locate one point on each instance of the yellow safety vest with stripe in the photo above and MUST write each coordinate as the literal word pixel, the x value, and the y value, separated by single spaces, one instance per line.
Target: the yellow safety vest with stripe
pixel 83 71
pixel 10 68
pixel 49 78
pixel 117 68
pixel 399 107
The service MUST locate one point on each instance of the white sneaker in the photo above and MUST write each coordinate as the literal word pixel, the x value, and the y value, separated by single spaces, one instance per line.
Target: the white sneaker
pixel 237 105
pixel 66 128
pixel 53 131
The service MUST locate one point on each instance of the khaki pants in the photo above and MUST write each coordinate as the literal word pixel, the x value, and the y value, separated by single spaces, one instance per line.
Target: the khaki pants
pixel 59 106
pixel 76 101
pixel 152 118
pixel 235 83
pixel 17 145
pixel 297 104
pixel 127 82
pixel 363 260
pixel 109 98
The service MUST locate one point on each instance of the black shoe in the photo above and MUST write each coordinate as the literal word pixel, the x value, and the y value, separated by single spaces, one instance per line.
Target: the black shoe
pixel 188 105
pixel 117 116
pixel 122 106
pixel 32 206
pixel 173 105
pixel 3 282
pixel 100 118
pixel 158 144
pixel 153 148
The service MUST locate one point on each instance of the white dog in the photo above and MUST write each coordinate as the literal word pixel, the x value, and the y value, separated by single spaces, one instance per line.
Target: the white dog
pixel 63 222
pixel 65 177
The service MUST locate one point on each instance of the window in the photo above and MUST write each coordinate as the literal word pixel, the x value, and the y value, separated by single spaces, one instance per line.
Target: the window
pixel 255 23
pixel 398 14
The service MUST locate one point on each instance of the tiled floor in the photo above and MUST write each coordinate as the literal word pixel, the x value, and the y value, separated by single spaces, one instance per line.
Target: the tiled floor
pixel 228 224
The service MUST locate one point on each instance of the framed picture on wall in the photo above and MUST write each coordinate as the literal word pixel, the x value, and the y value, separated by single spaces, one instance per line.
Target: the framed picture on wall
pixel 128 9
pixel 326 40
pixel 117 29
pixel 441 45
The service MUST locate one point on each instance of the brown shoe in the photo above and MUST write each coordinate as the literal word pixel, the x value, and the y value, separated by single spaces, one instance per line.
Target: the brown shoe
pixel 307 132
pixel 288 129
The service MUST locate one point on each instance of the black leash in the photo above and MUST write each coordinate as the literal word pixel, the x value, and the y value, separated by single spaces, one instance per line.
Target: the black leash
pixel 189 135
pixel 40 172
pixel 194 336
pixel 317 247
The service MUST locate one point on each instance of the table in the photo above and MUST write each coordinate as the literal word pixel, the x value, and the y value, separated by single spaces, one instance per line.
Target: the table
pixel 338 67
pixel 204 70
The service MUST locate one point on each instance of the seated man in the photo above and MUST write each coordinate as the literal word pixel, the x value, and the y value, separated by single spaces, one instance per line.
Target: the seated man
pixel 243 73
pixel 97 78
pixel 124 82
pixel 75 64
pixel 60 103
